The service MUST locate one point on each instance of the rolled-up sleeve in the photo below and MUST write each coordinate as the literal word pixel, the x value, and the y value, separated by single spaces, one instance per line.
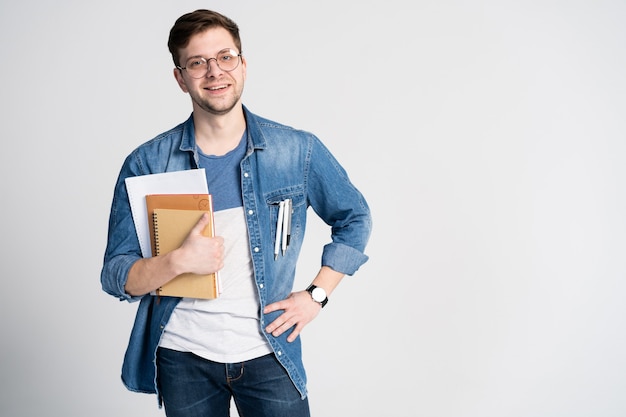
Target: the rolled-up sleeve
pixel 342 206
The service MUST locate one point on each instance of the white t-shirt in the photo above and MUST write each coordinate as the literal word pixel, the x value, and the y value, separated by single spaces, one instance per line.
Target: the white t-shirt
pixel 225 329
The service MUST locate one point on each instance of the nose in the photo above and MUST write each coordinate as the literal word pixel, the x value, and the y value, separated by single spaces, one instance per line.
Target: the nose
pixel 212 67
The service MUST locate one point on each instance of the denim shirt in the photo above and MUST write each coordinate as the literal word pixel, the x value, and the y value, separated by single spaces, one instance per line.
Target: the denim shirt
pixel 280 163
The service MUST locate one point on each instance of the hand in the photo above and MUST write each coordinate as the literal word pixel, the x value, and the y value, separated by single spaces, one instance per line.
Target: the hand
pixel 200 254
pixel 299 309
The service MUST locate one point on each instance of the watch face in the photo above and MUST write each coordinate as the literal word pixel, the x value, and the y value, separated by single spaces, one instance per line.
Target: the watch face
pixel 318 294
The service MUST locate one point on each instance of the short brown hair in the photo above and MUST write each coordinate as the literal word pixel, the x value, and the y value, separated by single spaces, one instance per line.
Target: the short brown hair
pixel 196 22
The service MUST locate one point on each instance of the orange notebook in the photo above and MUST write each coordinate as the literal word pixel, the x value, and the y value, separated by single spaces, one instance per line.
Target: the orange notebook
pixel 169 228
pixel 175 201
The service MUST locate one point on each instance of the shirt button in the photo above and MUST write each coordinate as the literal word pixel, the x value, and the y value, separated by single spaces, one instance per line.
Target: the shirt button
pixel 260 285
pixel 256 249
pixel 251 212
pixel 279 353
pixel 245 174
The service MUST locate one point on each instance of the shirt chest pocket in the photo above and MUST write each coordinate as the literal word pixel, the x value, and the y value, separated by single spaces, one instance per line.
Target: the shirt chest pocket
pixel 287 208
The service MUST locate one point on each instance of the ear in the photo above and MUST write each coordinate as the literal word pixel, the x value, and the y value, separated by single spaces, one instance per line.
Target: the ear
pixel 178 74
pixel 244 65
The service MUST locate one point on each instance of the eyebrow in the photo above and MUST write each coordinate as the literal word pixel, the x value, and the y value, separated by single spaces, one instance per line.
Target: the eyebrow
pixel 221 50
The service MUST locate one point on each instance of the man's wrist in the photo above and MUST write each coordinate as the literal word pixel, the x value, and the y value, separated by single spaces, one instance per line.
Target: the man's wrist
pixel 318 294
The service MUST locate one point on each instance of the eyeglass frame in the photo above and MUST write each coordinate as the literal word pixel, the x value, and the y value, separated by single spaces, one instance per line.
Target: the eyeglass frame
pixel 208 60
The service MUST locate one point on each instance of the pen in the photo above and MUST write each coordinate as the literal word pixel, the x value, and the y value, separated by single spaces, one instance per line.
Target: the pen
pixel 289 214
pixel 286 221
pixel 279 229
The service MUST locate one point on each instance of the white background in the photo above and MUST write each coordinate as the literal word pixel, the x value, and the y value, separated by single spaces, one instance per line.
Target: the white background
pixel 488 137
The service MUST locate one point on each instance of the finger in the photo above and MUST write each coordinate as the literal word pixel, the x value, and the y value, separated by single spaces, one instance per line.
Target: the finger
pixel 281 323
pixel 283 327
pixel 202 223
pixel 279 305
pixel 270 308
pixel 270 328
pixel 295 333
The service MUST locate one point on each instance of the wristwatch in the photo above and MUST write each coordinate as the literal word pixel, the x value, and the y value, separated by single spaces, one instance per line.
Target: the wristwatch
pixel 318 294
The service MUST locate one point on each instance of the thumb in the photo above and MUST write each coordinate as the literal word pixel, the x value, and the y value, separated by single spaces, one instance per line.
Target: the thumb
pixel 203 227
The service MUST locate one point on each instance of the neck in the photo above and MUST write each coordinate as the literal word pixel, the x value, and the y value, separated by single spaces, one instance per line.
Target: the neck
pixel 219 134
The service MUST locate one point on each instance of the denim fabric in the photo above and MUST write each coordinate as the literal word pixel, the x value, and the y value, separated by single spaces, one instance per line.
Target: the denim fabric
pixel 195 387
pixel 280 163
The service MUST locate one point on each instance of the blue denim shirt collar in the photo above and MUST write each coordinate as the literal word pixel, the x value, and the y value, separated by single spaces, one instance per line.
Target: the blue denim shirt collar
pixel 255 136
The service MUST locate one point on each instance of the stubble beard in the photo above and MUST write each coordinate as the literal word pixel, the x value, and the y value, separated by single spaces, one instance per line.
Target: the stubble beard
pixel 217 108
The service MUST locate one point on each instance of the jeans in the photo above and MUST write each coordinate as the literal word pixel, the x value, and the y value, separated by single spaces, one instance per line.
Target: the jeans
pixel 191 386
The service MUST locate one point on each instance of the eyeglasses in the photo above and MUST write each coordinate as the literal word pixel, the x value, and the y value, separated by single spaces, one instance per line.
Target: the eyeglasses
pixel 197 67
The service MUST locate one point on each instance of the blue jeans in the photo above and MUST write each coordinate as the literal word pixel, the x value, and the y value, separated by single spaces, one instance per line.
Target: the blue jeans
pixel 191 386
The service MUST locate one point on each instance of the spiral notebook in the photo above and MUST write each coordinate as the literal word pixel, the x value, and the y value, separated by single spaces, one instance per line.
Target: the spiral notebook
pixel 171 227
pixel 175 201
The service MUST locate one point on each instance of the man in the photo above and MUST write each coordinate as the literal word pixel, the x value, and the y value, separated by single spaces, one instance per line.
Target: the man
pixel 192 352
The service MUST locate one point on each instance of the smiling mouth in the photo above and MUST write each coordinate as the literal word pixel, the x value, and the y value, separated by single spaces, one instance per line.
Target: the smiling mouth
pixel 217 88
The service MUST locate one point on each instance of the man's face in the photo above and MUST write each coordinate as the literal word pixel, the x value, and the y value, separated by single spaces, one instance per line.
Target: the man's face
pixel 218 91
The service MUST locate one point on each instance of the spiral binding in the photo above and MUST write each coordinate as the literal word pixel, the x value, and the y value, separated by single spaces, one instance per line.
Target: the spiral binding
pixel 156 232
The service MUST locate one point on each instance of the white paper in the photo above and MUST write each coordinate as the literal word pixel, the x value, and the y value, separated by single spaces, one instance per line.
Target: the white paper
pixel 192 181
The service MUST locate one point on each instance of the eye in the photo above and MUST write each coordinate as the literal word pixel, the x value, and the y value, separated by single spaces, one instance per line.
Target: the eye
pixel 195 63
pixel 226 55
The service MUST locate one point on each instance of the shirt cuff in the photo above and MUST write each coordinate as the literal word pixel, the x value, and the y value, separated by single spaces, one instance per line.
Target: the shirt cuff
pixel 343 258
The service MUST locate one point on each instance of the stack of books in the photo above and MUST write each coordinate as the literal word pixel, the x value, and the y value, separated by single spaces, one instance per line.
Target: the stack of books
pixel 165 207
pixel 173 216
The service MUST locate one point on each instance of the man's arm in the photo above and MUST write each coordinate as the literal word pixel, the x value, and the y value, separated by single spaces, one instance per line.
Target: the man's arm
pixel 336 201
pixel 198 254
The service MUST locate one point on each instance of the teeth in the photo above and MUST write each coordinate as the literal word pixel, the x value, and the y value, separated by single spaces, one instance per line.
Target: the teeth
pixel 217 88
